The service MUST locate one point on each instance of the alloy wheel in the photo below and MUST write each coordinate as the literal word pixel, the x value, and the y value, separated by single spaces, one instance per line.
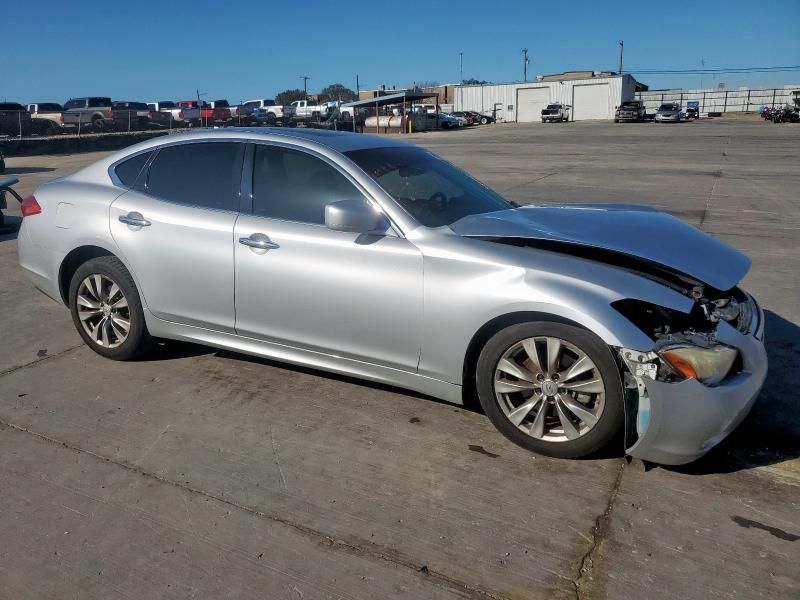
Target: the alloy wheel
pixel 103 311
pixel 549 389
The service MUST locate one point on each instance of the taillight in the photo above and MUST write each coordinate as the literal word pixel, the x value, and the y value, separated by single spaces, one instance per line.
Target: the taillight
pixel 180 115
pixel 108 112
pixel 149 114
pixel 30 207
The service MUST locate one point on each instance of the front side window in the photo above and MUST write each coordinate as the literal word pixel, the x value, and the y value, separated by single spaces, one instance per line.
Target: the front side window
pixel 295 186
pixel 429 188
pixel 205 174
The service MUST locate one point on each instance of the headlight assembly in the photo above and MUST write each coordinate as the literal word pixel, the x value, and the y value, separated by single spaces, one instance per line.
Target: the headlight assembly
pixel 708 365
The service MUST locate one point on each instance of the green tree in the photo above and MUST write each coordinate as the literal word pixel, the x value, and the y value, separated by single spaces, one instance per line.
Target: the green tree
pixel 475 82
pixel 289 96
pixel 336 91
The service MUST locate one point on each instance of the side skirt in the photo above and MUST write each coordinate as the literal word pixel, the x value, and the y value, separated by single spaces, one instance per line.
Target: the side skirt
pixel 449 392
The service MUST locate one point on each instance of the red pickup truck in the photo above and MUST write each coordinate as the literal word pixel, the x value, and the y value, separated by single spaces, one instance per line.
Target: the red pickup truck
pixel 208 115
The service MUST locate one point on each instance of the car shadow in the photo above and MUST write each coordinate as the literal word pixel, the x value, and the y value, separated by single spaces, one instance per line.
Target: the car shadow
pixel 771 432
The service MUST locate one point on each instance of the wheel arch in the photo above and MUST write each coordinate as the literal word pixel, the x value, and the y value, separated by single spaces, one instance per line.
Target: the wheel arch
pixel 72 261
pixel 486 331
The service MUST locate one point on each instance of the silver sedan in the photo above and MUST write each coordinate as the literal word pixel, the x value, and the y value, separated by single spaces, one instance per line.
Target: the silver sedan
pixel 374 258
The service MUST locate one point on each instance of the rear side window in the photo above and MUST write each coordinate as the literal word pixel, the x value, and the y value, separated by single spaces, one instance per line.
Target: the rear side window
pixel 128 171
pixel 99 102
pixel 206 174
pixel 296 186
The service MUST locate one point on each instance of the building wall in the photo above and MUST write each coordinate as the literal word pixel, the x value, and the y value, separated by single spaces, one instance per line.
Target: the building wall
pixel 741 99
pixel 482 98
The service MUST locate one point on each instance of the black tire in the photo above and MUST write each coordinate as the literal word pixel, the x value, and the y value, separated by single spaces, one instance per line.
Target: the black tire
pixel 98 125
pixel 138 339
pixel 616 120
pixel 611 420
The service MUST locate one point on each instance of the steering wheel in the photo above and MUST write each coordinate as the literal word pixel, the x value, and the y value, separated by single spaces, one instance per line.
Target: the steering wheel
pixel 434 207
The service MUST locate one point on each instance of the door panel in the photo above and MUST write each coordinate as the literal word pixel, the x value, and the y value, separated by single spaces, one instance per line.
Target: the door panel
pixel 346 294
pixel 183 260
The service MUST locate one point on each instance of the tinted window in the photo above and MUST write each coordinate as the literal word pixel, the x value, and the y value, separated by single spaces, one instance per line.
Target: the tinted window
pixel 129 170
pixel 163 105
pixel 79 103
pixel 11 106
pixel 203 174
pixel 432 190
pixel 50 106
pixel 96 102
pixel 296 186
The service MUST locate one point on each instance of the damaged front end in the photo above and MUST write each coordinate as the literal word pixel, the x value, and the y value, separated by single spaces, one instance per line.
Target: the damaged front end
pixel 700 378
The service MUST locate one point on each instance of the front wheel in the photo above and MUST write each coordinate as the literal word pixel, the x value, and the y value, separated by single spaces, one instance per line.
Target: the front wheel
pixel 106 309
pixel 551 388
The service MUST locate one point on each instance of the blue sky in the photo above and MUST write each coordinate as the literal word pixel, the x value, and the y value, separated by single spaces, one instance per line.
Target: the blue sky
pixel 239 50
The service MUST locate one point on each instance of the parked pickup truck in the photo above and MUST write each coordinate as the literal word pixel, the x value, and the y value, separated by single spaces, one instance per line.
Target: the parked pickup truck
pixel 92 112
pixel 309 109
pixel 225 104
pixel 48 116
pixel 130 116
pixel 630 110
pixel 208 115
pixel 270 113
pixel 555 113
pixel 168 114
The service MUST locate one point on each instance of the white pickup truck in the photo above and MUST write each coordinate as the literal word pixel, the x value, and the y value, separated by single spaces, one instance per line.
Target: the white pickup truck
pixel 309 109
pixel 272 112
pixel 169 114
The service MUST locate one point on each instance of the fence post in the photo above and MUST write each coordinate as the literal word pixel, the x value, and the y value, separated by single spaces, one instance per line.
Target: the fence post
pixel 703 107
pixel 773 97
pixel 748 100
pixel 725 106
pixel 19 118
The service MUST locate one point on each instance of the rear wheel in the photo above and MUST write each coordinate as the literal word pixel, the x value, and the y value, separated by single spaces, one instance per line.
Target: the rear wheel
pixel 98 125
pixel 106 309
pixel 551 388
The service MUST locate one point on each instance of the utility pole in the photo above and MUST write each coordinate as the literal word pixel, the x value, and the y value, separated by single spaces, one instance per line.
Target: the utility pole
pixel 305 79
pixel 621 49
pixel 461 65
pixel 702 68
pixel 358 89
pixel 525 62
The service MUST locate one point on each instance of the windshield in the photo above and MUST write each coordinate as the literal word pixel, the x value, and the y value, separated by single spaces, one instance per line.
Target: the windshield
pixel 553 106
pixel 630 105
pixel 668 107
pixel 432 190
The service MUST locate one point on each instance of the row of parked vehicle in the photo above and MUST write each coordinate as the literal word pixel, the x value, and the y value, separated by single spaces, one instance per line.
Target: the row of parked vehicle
pixel 101 114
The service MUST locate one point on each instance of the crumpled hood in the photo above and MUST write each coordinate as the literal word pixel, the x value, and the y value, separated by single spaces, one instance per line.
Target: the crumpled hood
pixel 637 231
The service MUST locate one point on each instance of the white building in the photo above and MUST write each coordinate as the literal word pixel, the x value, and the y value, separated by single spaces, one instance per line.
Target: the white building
pixel 591 96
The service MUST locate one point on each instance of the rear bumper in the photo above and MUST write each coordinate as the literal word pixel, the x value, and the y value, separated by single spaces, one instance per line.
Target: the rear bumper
pixel 688 418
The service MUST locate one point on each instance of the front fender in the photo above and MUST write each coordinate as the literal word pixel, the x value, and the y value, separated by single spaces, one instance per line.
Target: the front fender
pixel 463 294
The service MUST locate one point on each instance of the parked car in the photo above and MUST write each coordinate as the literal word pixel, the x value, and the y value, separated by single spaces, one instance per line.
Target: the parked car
pixel 481 118
pixel 208 116
pixel 630 110
pixel 440 120
pixel 469 118
pixel 692 110
pixel 669 112
pixel 567 321
pixel 47 115
pixel 15 120
pixel 130 116
pixel 272 113
pixel 555 113
pixel 168 114
pixel 91 112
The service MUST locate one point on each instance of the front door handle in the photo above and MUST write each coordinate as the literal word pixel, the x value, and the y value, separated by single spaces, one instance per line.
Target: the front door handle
pixel 259 241
pixel 134 219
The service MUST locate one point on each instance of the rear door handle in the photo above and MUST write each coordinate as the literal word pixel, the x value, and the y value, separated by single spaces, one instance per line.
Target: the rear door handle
pixel 134 219
pixel 259 241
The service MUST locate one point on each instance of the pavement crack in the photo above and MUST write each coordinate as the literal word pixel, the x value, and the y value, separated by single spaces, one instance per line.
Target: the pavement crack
pixel 365 550
pixel 602 526
pixel 41 359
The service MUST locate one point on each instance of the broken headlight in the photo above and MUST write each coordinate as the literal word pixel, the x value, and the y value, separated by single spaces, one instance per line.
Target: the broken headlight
pixel 708 365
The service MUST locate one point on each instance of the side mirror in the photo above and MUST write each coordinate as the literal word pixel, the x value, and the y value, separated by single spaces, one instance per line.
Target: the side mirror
pixel 354 215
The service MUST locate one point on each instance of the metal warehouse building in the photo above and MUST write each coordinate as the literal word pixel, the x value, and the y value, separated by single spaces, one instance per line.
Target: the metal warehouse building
pixel 591 95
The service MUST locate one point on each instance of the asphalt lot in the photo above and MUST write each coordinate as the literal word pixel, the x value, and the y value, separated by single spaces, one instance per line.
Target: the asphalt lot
pixel 200 473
